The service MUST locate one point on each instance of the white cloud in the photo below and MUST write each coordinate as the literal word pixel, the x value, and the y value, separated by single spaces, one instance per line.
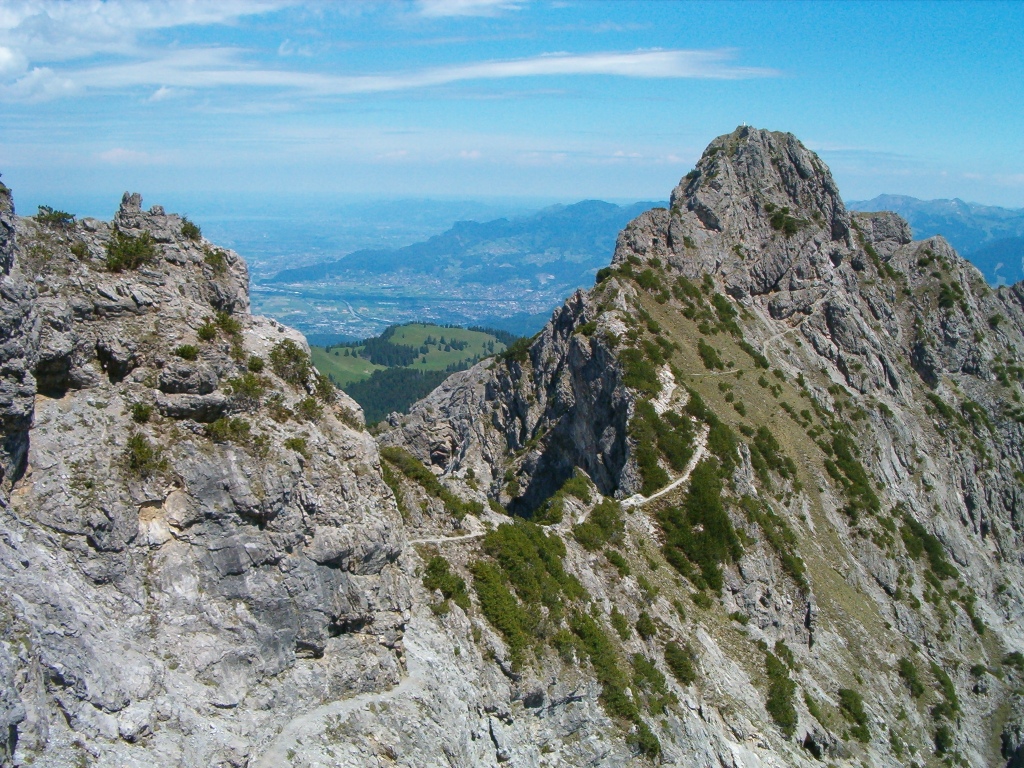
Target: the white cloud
pixel 57 30
pixel 11 62
pixel 470 154
pixel 40 84
pixel 443 8
pixel 199 68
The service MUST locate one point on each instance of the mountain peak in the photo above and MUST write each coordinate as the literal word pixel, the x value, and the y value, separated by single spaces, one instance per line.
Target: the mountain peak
pixel 745 177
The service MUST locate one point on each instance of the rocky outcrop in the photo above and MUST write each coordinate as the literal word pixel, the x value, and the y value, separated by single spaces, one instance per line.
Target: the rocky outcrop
pixel 19 339
pixel 174 588
pixel 523 424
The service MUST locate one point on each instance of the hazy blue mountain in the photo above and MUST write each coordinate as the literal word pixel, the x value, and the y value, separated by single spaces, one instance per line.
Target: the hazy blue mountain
pixel 990 237
pixel 558 244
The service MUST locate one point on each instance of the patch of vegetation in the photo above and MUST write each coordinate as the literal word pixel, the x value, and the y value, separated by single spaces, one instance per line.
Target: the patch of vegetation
pixel 438 576
pixel 142 458
pixel 614 682
pixel 645 626
pixel 918 541
pixel 782 222
pixel 393 389
pixel 638 373
pixel 619 624
pixel 766 456
pixel 190 230
pixel 411 467
pixel 759 360
pixel 727 314
pixel 852 477
pixel 290 362
pixel 141 412
pixel 217 260
pixel 709 356
pixel 297 444
pixel 50 217
pixel 125 252
pixel 229 430
pixel 949 707
pixel 187 351
pixel 700 532
pixel 248 388
pixel 851 704
pixel 651 684
pixel 670 436
pixel 500 607
pixel 255 364
pixel 618 561
pixel 781 690
pixel 603 525
pixel 908 671
pixel 681 661
pixel 518 351
pixel 207 331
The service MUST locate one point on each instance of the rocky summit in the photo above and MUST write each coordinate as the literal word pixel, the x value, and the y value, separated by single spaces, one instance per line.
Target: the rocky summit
pixel 753 500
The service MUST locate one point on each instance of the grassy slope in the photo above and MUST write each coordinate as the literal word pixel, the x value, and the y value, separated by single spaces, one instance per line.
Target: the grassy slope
pixel 348 370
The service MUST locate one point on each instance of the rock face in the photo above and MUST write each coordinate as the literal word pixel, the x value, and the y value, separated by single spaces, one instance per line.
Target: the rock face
pixel 772 460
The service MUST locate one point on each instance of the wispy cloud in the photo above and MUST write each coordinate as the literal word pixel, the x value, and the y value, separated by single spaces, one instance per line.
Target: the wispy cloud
pixel 54 30
pixel 446 8
pixel 199 68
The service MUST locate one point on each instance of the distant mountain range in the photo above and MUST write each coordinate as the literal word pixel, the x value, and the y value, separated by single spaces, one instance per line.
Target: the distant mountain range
pixel 557 245
pixel 990 237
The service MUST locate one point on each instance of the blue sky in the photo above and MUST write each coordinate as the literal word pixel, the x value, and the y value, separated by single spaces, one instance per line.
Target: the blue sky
pixel 201 101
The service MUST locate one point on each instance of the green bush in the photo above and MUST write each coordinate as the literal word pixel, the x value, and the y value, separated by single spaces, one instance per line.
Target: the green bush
pixel 228 323
pixel 438 576
pixel 852 706
pixel 638 373
pixel 216 259
pixel 781 221
pixel 650 683
pixel 142 458
pixel 709 356
pixel 249 388
pixel 309 409
pixel 207 331
pixel 80 250
pixel 602 526
pixel 54 218
pixel 759 360
pixel 947 689
pixel 918 541
pixel 290 362
pixel 297 444
pixel 255 364
pixel 700 532
pixel 851 476
pixel 645 626
pixel 190 230
pixel 614 682
pixel 518 351
pixel 618 561
pixel 910 676
pixel 229 430
pixel 781 689
pixel 532 562
pixel 779 534
pixel 766 456
pixel 187 351
pixel 943 739
pixel 500 607
pixel 141 412
pixel 620 624
pixel 125 252
pixel 681 660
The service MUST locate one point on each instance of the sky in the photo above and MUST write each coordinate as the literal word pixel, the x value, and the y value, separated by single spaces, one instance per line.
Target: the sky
pixel 261 102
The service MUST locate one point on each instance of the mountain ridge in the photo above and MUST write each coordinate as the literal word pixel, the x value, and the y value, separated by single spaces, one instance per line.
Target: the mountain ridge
pixel 764 477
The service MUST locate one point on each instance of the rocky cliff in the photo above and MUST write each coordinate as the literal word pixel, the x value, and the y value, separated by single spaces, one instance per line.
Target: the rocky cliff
pixel 764 484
